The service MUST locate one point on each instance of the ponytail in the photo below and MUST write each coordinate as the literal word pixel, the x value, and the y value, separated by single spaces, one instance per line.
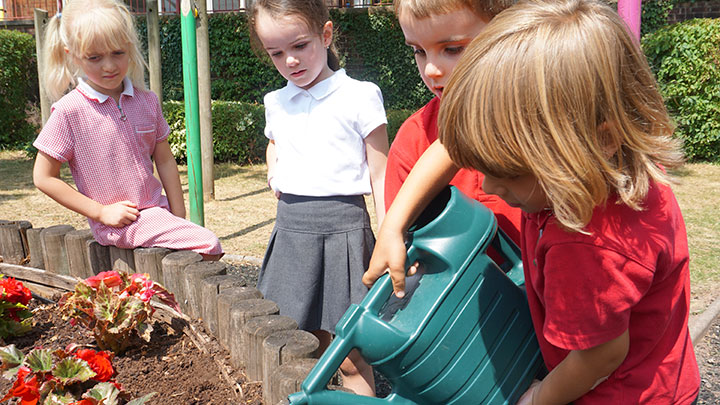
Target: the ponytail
pixel 57 72
pixel 332 59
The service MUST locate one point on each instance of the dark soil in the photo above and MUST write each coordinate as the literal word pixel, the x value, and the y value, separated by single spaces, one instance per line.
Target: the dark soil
pixel 171 365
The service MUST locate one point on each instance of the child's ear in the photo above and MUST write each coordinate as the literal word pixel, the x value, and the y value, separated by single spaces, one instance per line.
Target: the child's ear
pixel 327 34
pixel 67 51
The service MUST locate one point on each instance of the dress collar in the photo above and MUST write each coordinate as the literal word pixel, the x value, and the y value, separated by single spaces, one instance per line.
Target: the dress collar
pixel 319 90
pixel 93 94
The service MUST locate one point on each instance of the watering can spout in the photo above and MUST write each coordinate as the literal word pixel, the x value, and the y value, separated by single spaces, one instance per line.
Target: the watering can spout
pixel 298 398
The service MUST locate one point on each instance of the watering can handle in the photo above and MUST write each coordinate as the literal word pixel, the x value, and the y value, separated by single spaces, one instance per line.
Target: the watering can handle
pixel 512 253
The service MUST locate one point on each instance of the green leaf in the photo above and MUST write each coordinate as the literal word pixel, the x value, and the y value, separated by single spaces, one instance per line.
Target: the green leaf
pixel 104 391
pixel 11 356
pixel 71 370
pixel 105 303
pixel 40 360
pixel 142 400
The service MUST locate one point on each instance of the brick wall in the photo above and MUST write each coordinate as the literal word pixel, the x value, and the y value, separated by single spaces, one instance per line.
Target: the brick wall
pixel 697 9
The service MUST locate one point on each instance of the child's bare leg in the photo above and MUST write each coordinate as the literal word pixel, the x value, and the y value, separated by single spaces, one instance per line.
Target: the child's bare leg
pixel 357 375
pixel 212 258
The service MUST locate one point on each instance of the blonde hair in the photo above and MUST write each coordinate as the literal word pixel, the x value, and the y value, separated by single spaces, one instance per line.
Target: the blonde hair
pixel 561 91
pixel 426 8
pixel 85 25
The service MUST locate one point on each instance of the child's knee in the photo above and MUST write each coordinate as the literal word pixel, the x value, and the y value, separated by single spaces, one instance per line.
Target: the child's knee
pixel 354 364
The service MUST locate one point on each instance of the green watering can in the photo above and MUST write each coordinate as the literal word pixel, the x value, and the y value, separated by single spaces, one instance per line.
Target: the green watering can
pixel 461 335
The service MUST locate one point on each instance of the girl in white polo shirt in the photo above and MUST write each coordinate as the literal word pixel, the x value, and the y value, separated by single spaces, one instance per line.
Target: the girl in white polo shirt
pixel 109 130
pixel 328 147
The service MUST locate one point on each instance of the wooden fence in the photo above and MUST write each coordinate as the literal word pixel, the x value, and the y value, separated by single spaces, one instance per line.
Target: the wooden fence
pixel 267 345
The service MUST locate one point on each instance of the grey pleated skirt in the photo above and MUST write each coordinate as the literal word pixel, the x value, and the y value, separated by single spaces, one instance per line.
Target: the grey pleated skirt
pixel 317 254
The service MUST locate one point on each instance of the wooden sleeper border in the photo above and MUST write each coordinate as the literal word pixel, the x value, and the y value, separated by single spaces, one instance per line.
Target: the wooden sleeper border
pixel 268 345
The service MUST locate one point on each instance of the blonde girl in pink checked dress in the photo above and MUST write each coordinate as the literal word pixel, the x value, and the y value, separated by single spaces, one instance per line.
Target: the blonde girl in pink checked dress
pixel 109 130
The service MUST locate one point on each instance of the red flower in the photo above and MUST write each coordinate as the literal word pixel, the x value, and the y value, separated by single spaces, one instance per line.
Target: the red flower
pixel 110 278
pixel 14 291
pixel 27 391
pixel 99 363
pixel 84 402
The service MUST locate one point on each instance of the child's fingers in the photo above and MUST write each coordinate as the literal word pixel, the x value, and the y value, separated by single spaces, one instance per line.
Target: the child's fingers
pixel 128 204
pixel 397 275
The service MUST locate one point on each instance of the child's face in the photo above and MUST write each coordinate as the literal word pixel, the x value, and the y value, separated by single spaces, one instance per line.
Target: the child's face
pixel 522 192
pixel 105 70
pixel 438 41
pixel 298 53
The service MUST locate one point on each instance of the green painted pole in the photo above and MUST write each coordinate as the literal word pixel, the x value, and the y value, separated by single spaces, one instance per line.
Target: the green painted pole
pixel 192 114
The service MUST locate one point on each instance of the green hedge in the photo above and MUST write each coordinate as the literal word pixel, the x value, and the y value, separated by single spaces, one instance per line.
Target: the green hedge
pixel 685 58
pixel 370 42
pixel 18 87
pixel 238 130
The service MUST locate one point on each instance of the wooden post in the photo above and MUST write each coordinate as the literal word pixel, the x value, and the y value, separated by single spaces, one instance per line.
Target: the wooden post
pixel 122 259
pixel 41 21
pixel 78 260
pixel 205 102
pixel 254 333
pixel 54 249
pixel 288 378
pixel 98 256
pixel 154 54
pixel 226 300
pixel 210 288
pixel 173 266
pixel 35 246
pixel 149 261
pixel 240 314
pixel 13 242
pixel 282 347
pixel 193 276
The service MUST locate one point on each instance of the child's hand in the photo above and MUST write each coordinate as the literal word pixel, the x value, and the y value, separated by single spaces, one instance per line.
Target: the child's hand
pixel 119 214
pixel 527 397
pixel 389 255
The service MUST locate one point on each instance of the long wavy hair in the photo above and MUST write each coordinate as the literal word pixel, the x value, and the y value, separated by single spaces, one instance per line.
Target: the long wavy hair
pixel 560 90
pixel 85 25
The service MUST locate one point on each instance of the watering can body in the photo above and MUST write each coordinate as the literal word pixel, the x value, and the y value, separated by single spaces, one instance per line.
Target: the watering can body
pixel 461 335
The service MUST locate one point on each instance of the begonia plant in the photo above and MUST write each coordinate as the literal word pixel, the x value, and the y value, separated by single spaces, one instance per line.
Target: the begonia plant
pixel 115 305
pixel 63 377
pixel 15 318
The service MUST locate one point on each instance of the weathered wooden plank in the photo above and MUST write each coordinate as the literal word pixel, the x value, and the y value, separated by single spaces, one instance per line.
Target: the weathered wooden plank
pixel 78 260
pixel 13 242
pixel 173 266
pixel 225 301
pixel 282 347
pixel 210 290
pixel 39 276
pixel 149 261
pixel 98 256
pixel 192 277
pixel 288 378
pixel 54 249
pixel 240 314
pixel 122 259
pixel 36 249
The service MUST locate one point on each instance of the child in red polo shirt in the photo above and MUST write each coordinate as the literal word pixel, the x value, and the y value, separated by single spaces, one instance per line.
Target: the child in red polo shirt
pixel 438 31
pixel 555 103
pixel 110 131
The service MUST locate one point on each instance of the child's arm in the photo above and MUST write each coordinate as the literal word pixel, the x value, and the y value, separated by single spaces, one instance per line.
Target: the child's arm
pixel 376 151
pixel 271 159
pixel 578 373
pixel 46 176
pixel 169 177
pixel 432 172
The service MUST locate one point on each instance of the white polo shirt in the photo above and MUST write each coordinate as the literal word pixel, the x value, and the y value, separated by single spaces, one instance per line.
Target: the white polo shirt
pixel 320 135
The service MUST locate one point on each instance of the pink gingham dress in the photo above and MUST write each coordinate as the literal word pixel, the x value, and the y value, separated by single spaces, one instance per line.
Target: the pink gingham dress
pixel 109 153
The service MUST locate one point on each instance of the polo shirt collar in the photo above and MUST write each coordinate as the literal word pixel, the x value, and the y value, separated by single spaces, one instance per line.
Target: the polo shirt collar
pixel 93 94
pixel 322 89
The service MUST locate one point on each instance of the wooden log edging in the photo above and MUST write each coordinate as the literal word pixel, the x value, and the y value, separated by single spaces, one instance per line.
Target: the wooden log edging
pixel 268 345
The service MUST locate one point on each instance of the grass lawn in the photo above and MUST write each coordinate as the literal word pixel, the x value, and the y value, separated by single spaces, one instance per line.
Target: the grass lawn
pixel 243 212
